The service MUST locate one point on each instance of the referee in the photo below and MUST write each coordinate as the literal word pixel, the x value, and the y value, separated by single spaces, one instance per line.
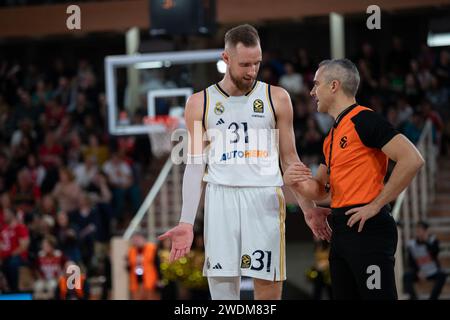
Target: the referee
pixel 356 151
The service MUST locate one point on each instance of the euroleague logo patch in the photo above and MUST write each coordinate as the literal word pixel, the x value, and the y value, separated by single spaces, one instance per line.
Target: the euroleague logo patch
pixel 246 261
pixel 343 142
pixel 258 106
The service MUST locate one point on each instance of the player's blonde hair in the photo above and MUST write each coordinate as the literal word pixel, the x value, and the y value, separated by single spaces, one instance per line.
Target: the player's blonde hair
pixel 244 33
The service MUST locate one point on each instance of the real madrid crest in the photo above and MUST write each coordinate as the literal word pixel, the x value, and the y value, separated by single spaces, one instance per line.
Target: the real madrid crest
pixel 219 108
pixel 258 106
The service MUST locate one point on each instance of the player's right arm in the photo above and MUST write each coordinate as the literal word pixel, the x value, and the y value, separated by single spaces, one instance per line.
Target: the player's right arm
pixel 182 235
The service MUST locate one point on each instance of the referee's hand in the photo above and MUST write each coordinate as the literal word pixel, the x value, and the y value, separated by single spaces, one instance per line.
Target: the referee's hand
pixel 361 214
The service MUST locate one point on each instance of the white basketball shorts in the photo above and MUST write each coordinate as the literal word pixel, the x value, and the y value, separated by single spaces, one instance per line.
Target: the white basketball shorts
pixel 244 232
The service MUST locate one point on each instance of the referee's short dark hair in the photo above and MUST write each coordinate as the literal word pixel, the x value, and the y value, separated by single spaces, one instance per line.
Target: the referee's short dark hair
pixel 345 72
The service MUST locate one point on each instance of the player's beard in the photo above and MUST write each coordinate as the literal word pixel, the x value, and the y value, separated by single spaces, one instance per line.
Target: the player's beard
pixel 240 84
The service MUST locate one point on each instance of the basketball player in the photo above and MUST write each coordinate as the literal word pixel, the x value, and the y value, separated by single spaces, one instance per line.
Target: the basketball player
pixel 356 154
pixel 244 204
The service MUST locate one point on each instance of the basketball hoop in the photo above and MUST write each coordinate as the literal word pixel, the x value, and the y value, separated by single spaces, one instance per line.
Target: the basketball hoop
pixel 161 139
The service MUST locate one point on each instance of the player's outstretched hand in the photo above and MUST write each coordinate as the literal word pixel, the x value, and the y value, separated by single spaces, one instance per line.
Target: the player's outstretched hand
pixel 296 172
pixel 181 237
pixel 316 219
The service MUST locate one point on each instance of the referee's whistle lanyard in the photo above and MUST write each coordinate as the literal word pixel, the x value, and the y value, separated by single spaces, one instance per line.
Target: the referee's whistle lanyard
pixel 335 124
pixel 327 185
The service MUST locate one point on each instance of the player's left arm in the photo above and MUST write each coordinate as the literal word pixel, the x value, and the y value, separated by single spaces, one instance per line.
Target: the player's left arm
pixel 288 152
pixel 315 217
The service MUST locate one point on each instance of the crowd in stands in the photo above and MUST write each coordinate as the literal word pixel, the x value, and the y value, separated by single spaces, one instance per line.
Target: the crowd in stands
pixel 66 185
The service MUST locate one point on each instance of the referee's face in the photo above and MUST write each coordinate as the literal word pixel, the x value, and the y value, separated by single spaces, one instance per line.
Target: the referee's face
pixel 320 92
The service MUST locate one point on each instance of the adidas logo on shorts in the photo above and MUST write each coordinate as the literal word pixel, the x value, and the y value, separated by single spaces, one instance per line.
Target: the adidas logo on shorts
pixel 220 122
pixel 217 266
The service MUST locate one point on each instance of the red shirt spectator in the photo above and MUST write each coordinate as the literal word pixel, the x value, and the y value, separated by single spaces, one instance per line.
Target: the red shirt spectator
pixel 50 153
pixel 54 113
pixel 50 262
pixel 11 234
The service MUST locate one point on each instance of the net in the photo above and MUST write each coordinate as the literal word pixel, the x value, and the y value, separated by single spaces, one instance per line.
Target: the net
pixel 160 140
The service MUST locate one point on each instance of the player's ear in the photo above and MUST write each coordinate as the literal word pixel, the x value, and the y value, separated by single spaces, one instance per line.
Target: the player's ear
pixel 226 57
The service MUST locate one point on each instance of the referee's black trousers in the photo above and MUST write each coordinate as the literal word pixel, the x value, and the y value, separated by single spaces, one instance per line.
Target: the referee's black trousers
pixel 362 263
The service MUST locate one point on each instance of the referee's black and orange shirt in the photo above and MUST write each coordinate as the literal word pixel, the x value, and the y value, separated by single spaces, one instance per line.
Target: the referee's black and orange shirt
pixel 358 166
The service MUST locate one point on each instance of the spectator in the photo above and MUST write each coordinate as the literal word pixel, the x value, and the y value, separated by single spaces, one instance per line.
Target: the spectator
pixel 67 238
pixel 305 65
pixel 25 108
pixel 54 113
pixel 86 220
pixel 100 194
pixel 142 265
pixel 49 267
pixel 82 108
pixel 443 68
pixel 50 152
pixel 291 80
pixel 398 59
pixel 423 252
pixel 37 171
pixel 86 171
pixel 13 248
pixel 25 129
pixel 74 150
pixel 25 195
pixel 63 93
pixel 67 192
pixel 48 206
pixel 70 287
pixel 438 96
pixel 311 143
pixel 413 127
pixel 438 125
pixel 94 149
pixel 41 95
pixel 7 173
pixel 120 176
pixel 404 110
pixel 5 204
pixel 20 152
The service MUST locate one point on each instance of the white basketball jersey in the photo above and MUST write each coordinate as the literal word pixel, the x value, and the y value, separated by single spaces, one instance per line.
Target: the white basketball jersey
pixel 243 148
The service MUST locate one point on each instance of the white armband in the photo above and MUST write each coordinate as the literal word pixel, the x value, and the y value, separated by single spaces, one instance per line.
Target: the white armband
pixel 192 187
